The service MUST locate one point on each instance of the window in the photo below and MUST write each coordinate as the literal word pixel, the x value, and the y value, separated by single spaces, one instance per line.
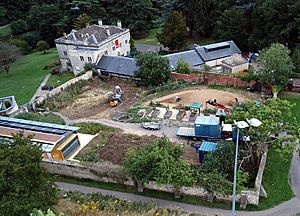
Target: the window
pixel 113 48
pixel 126 41
pixel 65 53
pixel 89 59
pixel 81 58
pixel 120 44
pixel 106 52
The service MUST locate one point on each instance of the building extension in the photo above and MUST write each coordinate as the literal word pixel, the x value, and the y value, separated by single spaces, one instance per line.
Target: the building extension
pixel 58 142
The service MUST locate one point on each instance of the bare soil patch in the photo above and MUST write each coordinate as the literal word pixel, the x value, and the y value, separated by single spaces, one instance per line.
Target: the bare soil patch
pixel 116 148
pixel 93 103
pixel 204 94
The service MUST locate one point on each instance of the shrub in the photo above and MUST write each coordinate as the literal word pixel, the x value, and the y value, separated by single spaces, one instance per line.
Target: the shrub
pixel 91 128
pixel 183 67
pixel 42 46
pixel 49 117
pixel 88 66
pixel 19 26
pixel 22 45
pixel 31 38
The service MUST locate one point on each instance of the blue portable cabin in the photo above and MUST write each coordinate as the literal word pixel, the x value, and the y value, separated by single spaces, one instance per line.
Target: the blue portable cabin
pixel 207 126
pixel 205 148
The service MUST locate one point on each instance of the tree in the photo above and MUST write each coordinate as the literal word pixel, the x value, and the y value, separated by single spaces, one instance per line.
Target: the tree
pixel 132 45
pixel 18 27
pixel 21 44
pixel 43 19
pixel 81 21
pixel 183 67
pixel 42 46
pixel 160 161
pixel 174 31
pixel 137 15
pixel 296 58
pixel 275 66
pixel 153 69
pixel 8 55
pixel 232 25
pixel 24 183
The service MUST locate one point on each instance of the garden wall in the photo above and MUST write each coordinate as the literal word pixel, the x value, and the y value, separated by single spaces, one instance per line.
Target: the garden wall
pixel 108 172
pixel 86 76
pixel 214 79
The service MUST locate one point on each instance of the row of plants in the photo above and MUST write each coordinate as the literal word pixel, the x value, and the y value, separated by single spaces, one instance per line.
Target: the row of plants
pixel 42 117
pixel 66 97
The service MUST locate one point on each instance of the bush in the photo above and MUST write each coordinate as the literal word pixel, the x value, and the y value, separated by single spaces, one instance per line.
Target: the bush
pixel 31 38
pixel 183 67
pixel 88 66
pixel 18 27
pixel 22 45
pixel 49 117
pixel 91 128
pixel 159 161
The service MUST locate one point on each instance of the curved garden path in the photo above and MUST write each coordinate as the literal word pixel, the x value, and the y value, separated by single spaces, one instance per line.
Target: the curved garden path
pixel 287 208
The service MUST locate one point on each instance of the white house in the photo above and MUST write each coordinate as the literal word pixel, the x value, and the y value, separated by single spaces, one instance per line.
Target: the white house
pixel 89 44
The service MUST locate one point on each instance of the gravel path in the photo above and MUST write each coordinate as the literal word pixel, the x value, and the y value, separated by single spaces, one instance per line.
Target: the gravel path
pixel 288 208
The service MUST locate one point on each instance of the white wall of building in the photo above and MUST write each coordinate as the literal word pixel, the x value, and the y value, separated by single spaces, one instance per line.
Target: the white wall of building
pixel 74 57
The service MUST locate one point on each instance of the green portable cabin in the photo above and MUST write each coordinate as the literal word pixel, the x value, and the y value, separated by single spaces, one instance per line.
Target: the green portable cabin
pixel 195 107
pixel 207 126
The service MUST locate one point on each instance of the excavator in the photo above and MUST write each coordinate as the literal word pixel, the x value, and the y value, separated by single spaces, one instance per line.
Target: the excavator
pixel 217 105
pixel 116 97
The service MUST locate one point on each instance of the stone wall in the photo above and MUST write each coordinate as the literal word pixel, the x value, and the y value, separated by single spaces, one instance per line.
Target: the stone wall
pixel 214 79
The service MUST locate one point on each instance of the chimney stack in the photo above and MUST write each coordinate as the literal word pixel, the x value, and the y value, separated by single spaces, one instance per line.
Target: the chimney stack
pixel 107 31
pixel 100 23
pixel 65 35
pixel 87 24
pixel 119 24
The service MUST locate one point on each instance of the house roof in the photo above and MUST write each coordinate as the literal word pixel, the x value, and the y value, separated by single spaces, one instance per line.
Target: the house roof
pixel 207 120
pixel 217 50
pixel 235 60
pixel 191 57
pixel 198 55
pixel 91 35
pixel 118 65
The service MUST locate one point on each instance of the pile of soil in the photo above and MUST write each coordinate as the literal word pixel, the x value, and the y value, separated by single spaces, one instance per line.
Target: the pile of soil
pixel 116 148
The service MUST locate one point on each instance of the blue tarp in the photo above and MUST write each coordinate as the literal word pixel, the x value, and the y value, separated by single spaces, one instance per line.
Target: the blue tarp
pixel 205 148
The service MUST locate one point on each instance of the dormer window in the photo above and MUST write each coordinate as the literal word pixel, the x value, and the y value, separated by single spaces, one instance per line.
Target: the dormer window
pixel 81 58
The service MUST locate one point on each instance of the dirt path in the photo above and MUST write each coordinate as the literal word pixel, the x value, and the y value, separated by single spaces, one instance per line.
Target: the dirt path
pixel 204 94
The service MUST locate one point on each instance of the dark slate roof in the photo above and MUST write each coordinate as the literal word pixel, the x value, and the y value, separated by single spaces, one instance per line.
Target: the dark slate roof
pixel 191 57
pixel 201 54
pixel 117 65
pixel 93 34
pixel 217 50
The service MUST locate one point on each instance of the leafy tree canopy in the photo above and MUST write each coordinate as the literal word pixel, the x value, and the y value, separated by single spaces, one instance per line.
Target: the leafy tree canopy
pixel 153 69
pixel 19 26
pixel 42 46
pixel 159 161
pixel 81 21
pixel 174 32
pixel 8 55
pixel 24 183
pixel 275 65
pixel 183 67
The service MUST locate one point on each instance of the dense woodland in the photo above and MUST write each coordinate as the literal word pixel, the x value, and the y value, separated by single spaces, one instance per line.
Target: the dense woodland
pixel 252 24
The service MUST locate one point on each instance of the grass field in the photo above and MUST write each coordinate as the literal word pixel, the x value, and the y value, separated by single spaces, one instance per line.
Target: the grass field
pixel 25 76
pixel 294 98
pixel 57 80
pixel 5 31
pixel 150 39
pixel 275 181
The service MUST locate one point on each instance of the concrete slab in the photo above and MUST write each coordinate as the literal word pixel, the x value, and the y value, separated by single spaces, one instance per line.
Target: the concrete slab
pixel 174 114
pixel 162 112
pixel 187 116
pixel 84 139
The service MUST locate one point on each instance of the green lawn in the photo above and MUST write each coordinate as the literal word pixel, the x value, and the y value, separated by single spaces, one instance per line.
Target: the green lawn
pixel 294 98
pixel 5 31
pixel 58 79
pixel 150 39
pixel 275 181
pixel 25 76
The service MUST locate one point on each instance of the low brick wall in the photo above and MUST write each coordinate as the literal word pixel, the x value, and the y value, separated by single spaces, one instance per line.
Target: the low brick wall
pixel 214 79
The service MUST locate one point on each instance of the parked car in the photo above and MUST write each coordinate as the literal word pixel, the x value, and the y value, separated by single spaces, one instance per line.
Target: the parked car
pixel 151 125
